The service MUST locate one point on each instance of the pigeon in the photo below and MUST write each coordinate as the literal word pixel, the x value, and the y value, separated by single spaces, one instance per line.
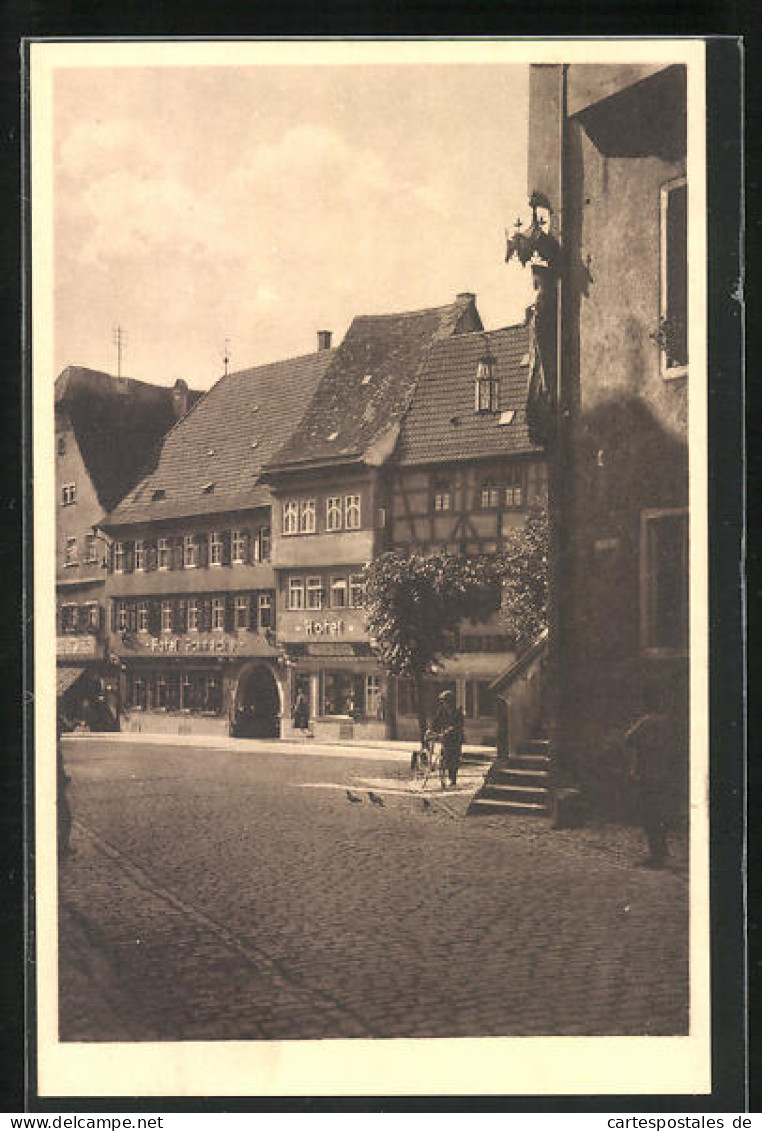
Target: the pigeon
pixel 375 799
pixel 353 796
pixel 426 803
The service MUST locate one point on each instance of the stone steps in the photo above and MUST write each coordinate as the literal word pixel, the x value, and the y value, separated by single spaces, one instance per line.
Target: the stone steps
pixel 518 784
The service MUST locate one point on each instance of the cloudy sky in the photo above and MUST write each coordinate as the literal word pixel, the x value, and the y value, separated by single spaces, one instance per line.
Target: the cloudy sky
pixel 264 203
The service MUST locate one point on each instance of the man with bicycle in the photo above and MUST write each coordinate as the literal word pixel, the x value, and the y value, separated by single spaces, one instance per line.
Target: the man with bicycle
pixel 448 728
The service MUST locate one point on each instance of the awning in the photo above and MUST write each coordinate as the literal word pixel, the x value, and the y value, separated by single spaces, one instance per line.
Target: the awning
pixel 66 678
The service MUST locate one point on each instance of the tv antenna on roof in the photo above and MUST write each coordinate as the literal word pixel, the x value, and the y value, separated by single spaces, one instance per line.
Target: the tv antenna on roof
pixel 118 338
pixel 226 356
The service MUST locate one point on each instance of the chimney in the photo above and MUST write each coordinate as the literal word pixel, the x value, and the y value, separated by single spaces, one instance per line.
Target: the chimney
pixel 464 295
pixel 324 339
pixel 180 398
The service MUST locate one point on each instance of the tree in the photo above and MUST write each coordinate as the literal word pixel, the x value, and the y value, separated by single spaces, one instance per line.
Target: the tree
pixel 523 570
pixel 414 604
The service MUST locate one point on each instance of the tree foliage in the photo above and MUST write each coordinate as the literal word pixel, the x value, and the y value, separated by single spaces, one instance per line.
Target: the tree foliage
pixel 523 569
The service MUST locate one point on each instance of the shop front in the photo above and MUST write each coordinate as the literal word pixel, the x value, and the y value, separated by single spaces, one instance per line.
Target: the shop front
pixel 201 684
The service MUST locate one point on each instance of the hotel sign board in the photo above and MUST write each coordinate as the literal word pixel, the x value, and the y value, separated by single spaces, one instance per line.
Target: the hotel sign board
pixel 83 647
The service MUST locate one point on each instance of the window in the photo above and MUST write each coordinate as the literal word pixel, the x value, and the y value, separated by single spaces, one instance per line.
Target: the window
pixel 166 616
pixel 373 697
pixel 673 328
pixel 143 616
pixel 242 611
pixel 121 616
pixel 307 515
pixel 664 581
pixel 295 593
pixel 407 699
pixel 215 548
pixel 338 592
pixel 238 546
pixel 190 552
pixel 486 389
pixel 314 593
pixel 119 557
pixel 68 494
pixel 356 589
pixel 291 517
pixel 342 693
pixel 62 445
pixel 265 608
pixel 442 496
pixel 264 543
pixel 218 613
pixel 490 494
pixel 333 513
pixel 352 512
pixel 69 618
pixel 93 616
pixel 91 549
pixel 193 615
pixel 164 553
pixel 70 552
pixel 480 701
pixel 514 488
pixel 140 555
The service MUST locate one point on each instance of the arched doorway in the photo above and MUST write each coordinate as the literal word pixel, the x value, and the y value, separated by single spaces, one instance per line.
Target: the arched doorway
pixel 257 704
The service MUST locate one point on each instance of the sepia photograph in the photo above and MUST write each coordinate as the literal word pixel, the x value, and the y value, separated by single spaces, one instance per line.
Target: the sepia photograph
pixel 369 395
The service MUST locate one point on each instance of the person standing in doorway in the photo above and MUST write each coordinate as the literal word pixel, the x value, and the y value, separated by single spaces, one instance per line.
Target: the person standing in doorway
pixel 301 715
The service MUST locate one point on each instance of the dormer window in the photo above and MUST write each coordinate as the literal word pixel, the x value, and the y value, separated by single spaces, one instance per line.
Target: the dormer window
pixel 486 389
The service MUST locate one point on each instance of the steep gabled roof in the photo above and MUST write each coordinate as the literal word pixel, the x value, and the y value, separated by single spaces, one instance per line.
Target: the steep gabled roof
pixel 363 395
pixel 211 462
pixel 118 423
pixel 441 423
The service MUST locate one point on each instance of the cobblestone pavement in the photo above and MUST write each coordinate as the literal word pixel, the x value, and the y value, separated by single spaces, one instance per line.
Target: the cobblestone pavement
pixel 225 895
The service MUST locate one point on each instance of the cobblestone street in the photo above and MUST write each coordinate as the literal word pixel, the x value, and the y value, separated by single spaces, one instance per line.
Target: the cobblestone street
pixel 224 894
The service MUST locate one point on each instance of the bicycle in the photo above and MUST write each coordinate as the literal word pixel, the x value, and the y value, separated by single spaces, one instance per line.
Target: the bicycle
pixel 429 760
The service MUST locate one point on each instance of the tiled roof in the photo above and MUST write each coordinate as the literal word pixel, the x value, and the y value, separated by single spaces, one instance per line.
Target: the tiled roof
pixel 363 395
pixel 118 422
pixel 441 423
pixel 224 442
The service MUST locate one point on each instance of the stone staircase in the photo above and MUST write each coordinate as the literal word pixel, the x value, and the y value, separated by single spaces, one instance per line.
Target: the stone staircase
pixel 517 784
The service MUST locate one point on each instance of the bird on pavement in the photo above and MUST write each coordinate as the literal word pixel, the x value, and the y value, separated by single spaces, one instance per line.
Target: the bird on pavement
pixel 426 803
pixel 375 799
pixel 353 796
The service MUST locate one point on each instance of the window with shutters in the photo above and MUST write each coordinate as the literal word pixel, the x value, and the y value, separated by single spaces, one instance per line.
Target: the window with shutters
pixel 295 593
pixel 241 611
pixel 352 512
pixel 119 557
pixel 265 610
pixel 140 555
pixel 307 516
pixel 238 546
pixel 291 517
pixel 164 553
pixel 218 614
pixel 193 615
pixel 166 616
pixel 190 552
pixel 142 616
pixel 70 552
pixel 333 513
pixel 314 593
pixel 215 548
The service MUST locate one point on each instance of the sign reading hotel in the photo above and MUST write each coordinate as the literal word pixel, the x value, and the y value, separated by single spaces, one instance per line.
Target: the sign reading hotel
pixel 324 627
pixel 78 646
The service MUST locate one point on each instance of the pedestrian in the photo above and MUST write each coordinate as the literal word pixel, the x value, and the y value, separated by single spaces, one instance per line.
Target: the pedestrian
pixel 448 724
pixel 301 715
pixel 652 743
